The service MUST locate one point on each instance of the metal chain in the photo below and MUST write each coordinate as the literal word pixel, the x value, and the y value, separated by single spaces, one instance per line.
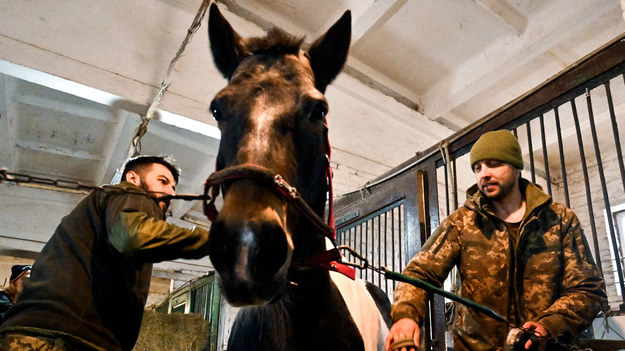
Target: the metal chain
pixel 143 128
pixel 5 175
pixel 20 178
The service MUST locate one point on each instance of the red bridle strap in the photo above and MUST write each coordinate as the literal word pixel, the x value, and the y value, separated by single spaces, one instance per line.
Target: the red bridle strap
pixel 329 260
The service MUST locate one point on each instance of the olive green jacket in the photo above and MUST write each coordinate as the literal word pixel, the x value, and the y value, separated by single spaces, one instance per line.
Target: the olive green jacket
pixel 551 279
pixel 90 282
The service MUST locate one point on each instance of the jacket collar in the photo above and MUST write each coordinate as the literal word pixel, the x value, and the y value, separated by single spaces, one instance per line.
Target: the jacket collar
pixel 133 189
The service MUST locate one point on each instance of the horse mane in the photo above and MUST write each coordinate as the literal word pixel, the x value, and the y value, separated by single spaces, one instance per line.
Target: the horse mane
pixel 279 315
pixel 276 42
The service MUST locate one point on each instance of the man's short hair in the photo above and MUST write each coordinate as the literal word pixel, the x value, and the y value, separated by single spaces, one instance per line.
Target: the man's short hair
pixel 139 164
pixel 18 269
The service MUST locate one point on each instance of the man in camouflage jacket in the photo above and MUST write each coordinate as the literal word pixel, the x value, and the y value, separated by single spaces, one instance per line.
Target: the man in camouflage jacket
pixel 517 252
pixel 89 284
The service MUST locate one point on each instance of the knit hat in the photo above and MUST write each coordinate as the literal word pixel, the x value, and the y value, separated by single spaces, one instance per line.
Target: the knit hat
pixel 18 269
pixel 499 145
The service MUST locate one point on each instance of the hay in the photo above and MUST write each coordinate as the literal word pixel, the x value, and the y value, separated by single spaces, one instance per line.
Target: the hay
pixel 172 332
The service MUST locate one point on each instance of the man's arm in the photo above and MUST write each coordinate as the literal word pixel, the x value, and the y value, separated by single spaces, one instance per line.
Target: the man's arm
pixel 135 230
pixel 583 289
pixel 432 264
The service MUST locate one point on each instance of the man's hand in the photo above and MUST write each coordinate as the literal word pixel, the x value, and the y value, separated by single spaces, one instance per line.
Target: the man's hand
pixel 539 330
pixel 403 329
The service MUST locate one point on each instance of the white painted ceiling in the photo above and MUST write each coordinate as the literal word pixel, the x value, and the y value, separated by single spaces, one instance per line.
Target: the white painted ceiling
pixel 76 75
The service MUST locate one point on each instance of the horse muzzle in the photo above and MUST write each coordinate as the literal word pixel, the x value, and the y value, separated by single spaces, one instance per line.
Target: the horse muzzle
pixel 251 253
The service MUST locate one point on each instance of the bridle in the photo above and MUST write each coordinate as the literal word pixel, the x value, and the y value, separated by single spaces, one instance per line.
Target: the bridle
pixel 330 259
pixel 268 179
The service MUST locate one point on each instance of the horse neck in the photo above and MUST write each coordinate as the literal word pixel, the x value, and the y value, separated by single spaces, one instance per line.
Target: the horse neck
pixel 308 241
pixel 281 322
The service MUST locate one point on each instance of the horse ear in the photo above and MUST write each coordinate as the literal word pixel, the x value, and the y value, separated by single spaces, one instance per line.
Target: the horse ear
pixel 329 52
pixel 226 45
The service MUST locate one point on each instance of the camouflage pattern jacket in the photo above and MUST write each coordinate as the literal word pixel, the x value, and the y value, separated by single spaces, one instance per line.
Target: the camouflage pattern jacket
pixel 551 278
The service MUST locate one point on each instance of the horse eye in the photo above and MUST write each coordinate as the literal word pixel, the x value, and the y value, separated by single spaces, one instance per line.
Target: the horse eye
pixel 318 112
pixel 216 114
pixel 216 111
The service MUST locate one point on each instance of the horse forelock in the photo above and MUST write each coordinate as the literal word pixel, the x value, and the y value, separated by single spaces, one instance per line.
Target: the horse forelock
pixel 276 42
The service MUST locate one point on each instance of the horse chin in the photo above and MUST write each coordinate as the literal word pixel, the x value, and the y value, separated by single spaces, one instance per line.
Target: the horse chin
pixel 258 293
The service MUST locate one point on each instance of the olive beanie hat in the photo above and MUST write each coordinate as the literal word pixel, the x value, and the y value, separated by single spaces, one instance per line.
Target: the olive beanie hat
pixel 499 145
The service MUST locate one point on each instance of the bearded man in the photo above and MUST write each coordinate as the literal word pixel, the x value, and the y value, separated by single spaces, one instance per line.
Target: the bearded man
pixel 88 286
pixel 516 251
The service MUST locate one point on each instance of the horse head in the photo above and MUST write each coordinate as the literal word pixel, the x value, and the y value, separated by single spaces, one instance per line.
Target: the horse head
pixel 272 115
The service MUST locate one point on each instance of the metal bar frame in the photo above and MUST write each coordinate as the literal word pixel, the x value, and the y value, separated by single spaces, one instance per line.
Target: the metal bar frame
pixel 421 210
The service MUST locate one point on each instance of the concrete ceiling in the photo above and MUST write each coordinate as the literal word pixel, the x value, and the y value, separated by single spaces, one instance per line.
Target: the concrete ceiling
pixel 76 76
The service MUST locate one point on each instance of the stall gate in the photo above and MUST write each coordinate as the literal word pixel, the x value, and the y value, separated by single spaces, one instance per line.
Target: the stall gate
pixel 568 129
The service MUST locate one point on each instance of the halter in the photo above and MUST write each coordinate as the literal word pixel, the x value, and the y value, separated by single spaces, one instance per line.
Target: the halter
pixel 269 179
pixel 330 259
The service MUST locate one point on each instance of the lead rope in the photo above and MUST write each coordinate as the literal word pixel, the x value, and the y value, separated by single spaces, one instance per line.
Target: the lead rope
pixel 388 274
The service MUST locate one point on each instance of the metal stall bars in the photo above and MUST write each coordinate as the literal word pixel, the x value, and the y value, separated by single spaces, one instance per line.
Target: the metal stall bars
pixel 387 223
pixel 201 296
pixel 568 128
pixel 582 168
pixel 379 237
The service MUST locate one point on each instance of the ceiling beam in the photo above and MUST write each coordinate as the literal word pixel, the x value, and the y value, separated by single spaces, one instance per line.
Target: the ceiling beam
pixel 31 255
pixel 56 150
pixel 505 12
pixel 8 123
pixel 371 20
pixel 404 113
pixel 374 79
pixel 376 15
pixel 483 71
pixel 251 16
pixel 201 266
pixel 167 274
pixel 61 103
pixel 118 136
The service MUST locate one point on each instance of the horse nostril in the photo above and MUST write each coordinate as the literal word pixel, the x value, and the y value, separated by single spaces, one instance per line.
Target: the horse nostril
pixel 259 248
pixel 272 250
pixel 221 246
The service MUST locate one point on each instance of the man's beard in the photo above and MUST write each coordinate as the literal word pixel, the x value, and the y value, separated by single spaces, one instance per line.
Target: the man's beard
pixel 155 195
pixel 504 190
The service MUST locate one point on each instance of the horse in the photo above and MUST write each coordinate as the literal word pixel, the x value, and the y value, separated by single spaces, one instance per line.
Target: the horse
pixel 268 250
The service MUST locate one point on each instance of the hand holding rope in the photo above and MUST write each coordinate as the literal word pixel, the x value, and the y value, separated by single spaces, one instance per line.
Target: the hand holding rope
pixel 388 274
